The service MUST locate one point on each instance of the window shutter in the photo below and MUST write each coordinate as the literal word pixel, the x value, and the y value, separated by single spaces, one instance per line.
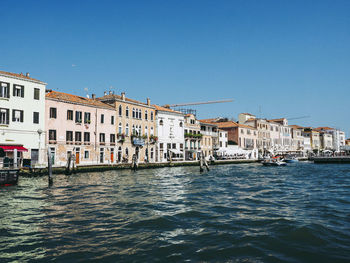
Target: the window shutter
pixel 22 91
pixel 13 115
pixel 21 116
pixel 8 117
pixel 14 90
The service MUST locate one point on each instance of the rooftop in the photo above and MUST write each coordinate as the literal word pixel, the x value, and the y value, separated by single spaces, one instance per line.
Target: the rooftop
pixel 20 76
pixel 160 108
pixel 118 97
pixel 65 97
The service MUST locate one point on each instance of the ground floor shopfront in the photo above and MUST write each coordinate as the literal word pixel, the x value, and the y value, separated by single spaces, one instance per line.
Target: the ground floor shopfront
pixel 90 154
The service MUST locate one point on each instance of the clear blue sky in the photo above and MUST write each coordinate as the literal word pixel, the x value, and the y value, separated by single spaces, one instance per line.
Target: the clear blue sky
pixel 288 58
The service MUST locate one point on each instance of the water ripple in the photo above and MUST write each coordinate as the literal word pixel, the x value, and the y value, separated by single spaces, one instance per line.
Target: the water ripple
pixel 234 213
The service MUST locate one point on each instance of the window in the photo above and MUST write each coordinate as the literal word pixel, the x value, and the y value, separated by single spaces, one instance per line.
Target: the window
pixel 112 120
pixel 120 128
pixel 18 91
pixel 181 124
pixel 36 94
pixel 102 137
pixel 174 146
pixel 17 115
pixel 69 136
pixel 53 113
pixel 120 110
pixel 127 111
pixel 161 146
pixel 4 90
pixel 78 116
pixel 161 122
pixel 133 113
pixel 86 136
pixel 87 117
pixel 78 136
pixel 69 115
pixel 168 146
pixel 152 133
pixel 102 118
pixel 140 114
pixel 86 154
pixel 151 115
pixel 127 130
pixel 146 115
pixel 181 146
pixel 35 117
pixel 146 131
pixel 4 116
pixel 127 152
pixel 112 138
pixel 52 135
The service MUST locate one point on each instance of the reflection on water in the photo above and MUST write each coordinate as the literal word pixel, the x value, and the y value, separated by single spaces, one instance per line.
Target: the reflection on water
pixel 234 212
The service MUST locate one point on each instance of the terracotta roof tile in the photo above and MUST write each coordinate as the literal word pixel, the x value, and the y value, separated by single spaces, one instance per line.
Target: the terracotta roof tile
pixel 160 108
pixel 61 96
pixel 22 76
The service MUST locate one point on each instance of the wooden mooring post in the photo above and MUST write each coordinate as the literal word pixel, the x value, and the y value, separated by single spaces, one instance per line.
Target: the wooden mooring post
pixel 49 166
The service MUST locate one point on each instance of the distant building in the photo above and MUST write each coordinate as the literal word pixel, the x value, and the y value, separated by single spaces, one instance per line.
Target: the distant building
pixel 338 136
pixel 22 117
pixel 210 138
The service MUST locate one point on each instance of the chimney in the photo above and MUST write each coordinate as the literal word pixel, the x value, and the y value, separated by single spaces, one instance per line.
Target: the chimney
pixel 148 102
pixel 105 93
pixel 93 96
pixel 123 95
pixel 27 74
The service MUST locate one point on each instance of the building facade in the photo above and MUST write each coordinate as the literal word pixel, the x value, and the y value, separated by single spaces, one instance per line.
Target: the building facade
pixel 193 137
pixel 135 127
pixel 80 127
pixel 170 130
pixel 22 117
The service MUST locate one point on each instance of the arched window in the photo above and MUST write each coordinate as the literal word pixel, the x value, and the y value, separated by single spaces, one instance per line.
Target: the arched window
pixel 120 110
pixel 152 132
pixel 133 130
pixel 140 117
pixel 126 151
pixel 152 116
pixel 152 153
pixel 181 124
pixel 120 128
pixel 127 111
pixel 127 129
pixel 161 122
pixel 133 112
pixel 146 115
pixel 140 130
pixel 146 130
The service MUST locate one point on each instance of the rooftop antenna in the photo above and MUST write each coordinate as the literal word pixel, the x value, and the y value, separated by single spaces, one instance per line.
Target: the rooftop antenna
pixel 86 92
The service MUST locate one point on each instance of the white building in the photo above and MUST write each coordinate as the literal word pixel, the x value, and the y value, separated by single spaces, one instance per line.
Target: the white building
pixel 22 116
pixel 338 137
pixel 170 129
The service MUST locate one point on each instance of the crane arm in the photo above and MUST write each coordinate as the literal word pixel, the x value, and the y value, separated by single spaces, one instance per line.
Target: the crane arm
pixel 199 103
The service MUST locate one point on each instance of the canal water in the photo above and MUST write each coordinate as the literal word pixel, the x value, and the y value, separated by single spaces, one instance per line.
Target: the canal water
pixel 236 213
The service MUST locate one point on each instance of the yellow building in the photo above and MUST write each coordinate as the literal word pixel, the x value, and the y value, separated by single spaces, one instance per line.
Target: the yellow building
pixel 135 127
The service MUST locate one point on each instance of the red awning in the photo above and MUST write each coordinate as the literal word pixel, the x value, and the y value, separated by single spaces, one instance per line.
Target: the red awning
pixel 11 148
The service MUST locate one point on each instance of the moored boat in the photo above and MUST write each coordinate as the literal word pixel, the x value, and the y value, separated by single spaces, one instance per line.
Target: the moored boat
pixel 271 162
pixel 8 177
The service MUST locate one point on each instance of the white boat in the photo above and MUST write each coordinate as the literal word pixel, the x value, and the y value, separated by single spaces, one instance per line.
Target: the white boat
pixel 270 162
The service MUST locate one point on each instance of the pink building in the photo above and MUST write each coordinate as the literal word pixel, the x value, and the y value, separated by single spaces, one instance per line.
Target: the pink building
pixel 80 126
